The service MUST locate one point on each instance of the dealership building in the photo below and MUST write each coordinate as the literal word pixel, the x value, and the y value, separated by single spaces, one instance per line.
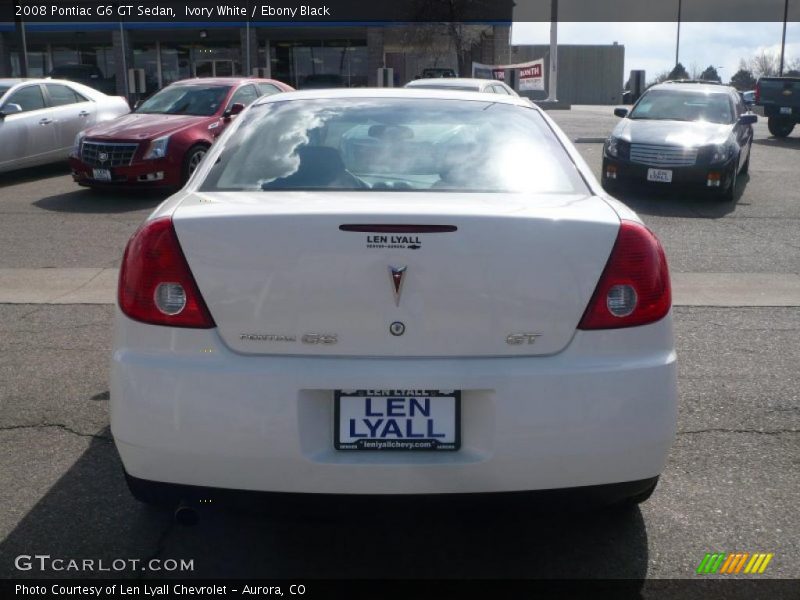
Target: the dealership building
pixel 300 54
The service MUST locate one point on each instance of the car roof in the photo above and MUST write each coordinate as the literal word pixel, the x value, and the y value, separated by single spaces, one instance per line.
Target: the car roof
pixel 425 93
pixel 17 80
pixel 452 81
pixel 83 89
pixel 694 86
pixel 222 80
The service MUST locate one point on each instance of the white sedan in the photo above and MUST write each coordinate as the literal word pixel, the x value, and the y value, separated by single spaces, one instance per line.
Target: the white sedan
pixel 393 292
pixel 39 119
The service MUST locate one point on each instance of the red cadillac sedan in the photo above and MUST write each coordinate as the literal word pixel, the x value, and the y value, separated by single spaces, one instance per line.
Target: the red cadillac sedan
pixel 161 143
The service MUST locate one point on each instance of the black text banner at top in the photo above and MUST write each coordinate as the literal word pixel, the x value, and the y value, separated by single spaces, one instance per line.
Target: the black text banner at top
pixel 338 11
pixel 358 11
pixel 387 11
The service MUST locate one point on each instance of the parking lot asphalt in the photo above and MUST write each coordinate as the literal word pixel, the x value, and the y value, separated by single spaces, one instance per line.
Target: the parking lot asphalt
pixel 732 482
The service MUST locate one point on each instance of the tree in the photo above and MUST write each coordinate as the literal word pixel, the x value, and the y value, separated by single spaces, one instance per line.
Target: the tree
pixel 455 20
pixel 710 74
pixel 764 64
pixel 678 72
pixel 743 80
pixel 660 78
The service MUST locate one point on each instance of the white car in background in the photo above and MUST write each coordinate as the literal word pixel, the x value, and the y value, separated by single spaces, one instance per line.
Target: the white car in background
pixel 39 119
pixel 393 292
pixel 465 84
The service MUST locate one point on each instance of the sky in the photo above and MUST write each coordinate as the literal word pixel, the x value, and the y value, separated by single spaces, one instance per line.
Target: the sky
pixel 651 46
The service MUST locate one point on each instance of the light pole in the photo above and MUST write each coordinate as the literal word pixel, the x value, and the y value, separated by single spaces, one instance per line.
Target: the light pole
pixel 783 40
pixel 552 92
pixel 678 40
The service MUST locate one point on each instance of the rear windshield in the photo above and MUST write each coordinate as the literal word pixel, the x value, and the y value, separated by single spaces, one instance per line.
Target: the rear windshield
pixel 392 144
pixel 200 100
pixel 675 105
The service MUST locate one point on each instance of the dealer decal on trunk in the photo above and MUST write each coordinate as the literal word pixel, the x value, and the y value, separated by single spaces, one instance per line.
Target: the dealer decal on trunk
pixel 409 242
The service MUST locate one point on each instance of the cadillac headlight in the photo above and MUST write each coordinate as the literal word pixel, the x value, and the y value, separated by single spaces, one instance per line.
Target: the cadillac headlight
pixel 618 148
pixel 158 148
pixel 612 147
pixel 720 153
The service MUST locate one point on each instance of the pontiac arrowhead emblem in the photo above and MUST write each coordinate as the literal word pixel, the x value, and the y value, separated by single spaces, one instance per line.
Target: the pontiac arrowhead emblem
pixel 397 275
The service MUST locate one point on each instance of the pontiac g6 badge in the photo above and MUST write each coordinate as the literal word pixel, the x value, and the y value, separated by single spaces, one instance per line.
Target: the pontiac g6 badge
pixel 517 339
pixel 397 275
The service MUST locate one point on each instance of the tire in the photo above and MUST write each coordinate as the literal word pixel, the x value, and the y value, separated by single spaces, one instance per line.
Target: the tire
pixel 780 127
pixel 192 160
pixel 636 499
pixel 728 194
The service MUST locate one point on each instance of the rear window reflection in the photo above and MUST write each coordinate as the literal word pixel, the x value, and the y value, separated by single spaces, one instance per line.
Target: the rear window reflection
pixel 393 145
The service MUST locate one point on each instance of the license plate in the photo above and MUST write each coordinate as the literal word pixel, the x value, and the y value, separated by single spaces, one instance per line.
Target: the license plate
pixel 786 110
pixel 101 174
pixel 397 420
pixel 660 175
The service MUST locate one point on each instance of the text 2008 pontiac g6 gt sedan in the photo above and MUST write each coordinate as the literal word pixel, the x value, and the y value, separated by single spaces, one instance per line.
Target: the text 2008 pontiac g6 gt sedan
pixel 393 292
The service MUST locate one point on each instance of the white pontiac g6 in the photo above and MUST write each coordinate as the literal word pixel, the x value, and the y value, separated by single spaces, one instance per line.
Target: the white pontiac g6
pixel 389 292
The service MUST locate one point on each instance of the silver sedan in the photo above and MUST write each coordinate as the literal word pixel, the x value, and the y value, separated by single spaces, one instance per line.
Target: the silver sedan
pixel 39 118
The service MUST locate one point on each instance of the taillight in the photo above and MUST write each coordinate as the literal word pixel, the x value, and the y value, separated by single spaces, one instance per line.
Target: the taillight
pixel 634 288
pixel 155 283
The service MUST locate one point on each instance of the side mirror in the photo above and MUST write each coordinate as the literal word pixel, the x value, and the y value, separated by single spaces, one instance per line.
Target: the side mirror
pixel 748 119
pixel 10 109
pixel 233 110
pixel 621 112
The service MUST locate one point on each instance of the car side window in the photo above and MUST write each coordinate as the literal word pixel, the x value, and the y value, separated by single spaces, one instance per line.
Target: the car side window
pixel 244 95
pixel 61 95
pixel 29 98
pixel 267 89
pixel 740 107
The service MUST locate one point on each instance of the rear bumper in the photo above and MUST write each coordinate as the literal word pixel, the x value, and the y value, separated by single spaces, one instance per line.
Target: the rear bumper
pixel 187 410
pixel 774 111
pixel 165 174
pixel 172 494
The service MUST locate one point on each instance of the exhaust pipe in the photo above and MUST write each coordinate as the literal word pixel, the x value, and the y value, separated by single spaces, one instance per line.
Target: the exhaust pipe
pixel 186 515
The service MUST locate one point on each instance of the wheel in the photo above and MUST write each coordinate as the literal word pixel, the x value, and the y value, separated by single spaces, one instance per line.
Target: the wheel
pixel 780 127
pixel 192 160
pixel 728 194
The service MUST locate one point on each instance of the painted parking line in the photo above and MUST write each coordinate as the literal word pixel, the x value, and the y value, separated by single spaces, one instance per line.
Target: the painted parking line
pixel 99 286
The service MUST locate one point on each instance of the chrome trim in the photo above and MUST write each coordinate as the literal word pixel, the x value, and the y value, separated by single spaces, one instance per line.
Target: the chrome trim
pixel 663 156
pixel 118 154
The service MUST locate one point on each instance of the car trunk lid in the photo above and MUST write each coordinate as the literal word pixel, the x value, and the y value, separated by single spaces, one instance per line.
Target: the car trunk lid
pixel 396 273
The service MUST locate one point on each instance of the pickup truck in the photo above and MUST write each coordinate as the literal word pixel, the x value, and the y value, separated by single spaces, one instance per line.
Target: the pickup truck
pixel 780 97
